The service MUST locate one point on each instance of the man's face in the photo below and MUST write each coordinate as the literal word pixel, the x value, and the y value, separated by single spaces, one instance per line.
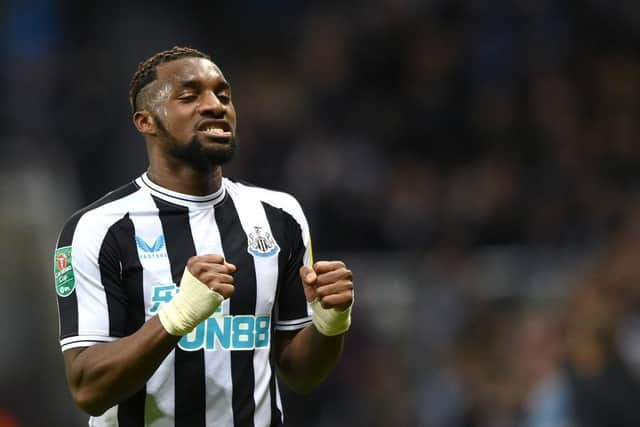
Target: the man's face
pixel 195 118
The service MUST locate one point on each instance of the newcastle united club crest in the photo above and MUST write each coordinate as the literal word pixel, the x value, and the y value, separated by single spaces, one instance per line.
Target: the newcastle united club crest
pixel 261 243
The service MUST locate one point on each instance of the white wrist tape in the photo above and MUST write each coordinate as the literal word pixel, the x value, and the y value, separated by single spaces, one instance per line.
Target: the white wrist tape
pixel 330 321
pixel 193 303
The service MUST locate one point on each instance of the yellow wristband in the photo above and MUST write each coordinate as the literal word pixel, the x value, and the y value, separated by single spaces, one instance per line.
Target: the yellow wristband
pixel 193 303
pixel 330 321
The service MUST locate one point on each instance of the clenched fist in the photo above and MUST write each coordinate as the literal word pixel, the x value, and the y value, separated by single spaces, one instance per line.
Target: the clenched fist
pixel 330 282
pixel 214 272
pixel 205 283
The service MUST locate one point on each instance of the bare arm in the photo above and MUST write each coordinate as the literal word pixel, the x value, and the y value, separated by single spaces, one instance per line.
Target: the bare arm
pixel 305 358
pixel 102 375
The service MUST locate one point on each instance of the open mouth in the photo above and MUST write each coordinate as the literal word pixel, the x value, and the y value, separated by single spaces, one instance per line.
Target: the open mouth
pixel 215 129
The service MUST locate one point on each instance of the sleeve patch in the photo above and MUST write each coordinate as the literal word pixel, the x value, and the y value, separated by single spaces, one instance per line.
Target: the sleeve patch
pixel 65 279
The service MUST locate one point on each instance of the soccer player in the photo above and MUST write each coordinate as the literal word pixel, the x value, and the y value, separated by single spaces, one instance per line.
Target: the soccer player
pixel 182 294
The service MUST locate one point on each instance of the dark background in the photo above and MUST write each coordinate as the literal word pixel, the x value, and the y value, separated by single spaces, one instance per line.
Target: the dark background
pixel 476 162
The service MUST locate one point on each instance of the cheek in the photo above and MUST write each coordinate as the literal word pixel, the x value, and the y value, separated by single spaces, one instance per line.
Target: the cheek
pixel 177 120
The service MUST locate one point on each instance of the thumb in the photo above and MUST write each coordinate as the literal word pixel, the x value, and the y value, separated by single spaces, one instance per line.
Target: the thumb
pixel 307 275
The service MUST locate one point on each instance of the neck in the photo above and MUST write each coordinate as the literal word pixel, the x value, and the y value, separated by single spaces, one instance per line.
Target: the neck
pixel 186 180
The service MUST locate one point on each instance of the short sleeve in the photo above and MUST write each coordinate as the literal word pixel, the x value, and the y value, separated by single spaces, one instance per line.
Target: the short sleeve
pixel 293 312
pixel 87 282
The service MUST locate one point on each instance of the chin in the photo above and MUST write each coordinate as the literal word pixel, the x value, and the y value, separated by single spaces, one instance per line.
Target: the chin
pixel 218 156
pixel 220 159
pixel 204 156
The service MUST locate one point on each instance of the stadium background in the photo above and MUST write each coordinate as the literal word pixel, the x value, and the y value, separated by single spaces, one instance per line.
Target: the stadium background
pixel 476 162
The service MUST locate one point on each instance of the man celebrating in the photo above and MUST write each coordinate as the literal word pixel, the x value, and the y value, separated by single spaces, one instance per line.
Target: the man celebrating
pixel 172 288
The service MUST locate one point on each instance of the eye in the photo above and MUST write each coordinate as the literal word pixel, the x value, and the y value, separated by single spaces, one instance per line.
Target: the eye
pixel 187 97
pixel 225 98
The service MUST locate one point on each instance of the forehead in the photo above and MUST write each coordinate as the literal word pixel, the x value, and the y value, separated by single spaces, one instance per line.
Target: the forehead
pixel 189 70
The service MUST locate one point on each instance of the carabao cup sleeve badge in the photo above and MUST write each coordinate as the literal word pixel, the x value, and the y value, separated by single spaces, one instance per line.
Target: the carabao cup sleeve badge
pixel 65 279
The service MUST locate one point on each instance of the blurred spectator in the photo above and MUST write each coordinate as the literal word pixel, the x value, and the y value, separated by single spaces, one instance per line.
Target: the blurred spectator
pixel 602 333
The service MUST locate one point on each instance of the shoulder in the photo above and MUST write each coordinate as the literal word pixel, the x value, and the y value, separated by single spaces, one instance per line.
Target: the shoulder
pixel 99 215
pixel 279 200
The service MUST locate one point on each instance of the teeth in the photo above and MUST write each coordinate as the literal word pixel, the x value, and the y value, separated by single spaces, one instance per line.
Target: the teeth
pixel 216 131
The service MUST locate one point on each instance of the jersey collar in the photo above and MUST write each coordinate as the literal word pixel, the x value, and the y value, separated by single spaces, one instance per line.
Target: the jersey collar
pixel 183 199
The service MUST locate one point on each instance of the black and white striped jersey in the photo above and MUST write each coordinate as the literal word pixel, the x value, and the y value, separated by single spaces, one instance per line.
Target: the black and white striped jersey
pixel 118 260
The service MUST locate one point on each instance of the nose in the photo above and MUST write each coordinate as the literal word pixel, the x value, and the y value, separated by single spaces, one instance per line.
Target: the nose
pixel 209 103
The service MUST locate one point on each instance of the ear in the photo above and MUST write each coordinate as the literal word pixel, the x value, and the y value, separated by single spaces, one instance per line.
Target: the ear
pixel 144 122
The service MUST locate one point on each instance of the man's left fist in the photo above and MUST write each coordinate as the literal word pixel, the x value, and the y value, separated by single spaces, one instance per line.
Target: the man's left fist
pixel 330 282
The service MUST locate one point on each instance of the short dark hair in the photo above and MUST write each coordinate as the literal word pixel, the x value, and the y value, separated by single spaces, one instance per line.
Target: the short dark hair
pixel 146 71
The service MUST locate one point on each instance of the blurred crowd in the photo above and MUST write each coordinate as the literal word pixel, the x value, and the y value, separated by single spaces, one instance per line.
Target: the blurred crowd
pixel 568 359
pixel 482 155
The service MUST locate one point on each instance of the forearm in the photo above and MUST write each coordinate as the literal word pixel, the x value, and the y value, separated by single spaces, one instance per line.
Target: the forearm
pixel 307 358
pixel 103 375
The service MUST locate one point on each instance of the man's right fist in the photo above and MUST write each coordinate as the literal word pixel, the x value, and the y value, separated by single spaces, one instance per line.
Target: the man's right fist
pixel 205 283
pixel 214 272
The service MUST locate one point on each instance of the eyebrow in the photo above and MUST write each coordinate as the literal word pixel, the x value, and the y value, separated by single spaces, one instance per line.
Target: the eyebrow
pixel 196 84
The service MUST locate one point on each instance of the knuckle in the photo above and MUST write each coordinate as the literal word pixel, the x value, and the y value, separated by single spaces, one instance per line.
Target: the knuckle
pixel 225 291
pixel 220 269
